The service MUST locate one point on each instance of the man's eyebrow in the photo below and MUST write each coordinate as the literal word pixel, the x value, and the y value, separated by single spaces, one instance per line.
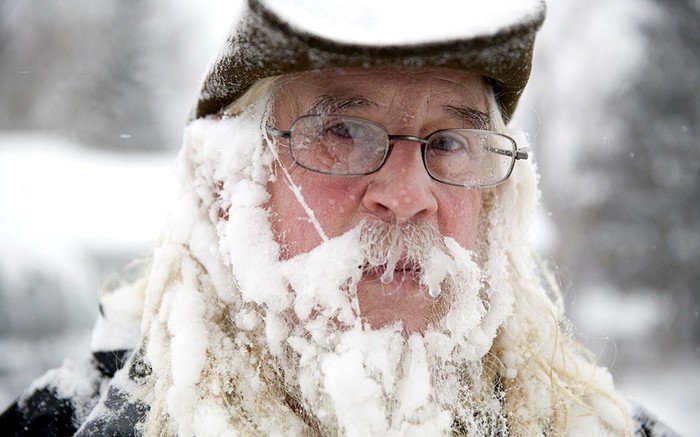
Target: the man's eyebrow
pixel 333 104
pixel 473 117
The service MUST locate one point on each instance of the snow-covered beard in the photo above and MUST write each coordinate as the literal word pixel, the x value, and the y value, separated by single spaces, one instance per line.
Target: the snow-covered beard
pixel 353 380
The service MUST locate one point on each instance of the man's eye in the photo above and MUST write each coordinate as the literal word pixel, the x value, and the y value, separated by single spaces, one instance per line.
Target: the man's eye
pixel 447 143
pixel 345 130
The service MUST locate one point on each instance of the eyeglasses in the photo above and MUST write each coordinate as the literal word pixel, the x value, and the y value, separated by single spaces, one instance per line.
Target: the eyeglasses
pixel 349 146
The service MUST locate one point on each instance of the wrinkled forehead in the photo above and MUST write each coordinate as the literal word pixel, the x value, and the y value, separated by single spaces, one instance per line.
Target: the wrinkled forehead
pixel 385 88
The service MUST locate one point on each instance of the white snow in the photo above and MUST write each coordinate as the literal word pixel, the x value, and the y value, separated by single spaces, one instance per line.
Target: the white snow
pixel 339 258
pixel 63 205
pixel 72 380
pixel 119 327
pixel 59 199
pixel 402 22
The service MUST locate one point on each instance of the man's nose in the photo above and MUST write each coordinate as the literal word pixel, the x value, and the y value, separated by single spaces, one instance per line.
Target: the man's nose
pixel 402 189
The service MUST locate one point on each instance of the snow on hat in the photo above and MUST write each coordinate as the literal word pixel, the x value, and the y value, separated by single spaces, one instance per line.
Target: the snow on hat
pixel 493 38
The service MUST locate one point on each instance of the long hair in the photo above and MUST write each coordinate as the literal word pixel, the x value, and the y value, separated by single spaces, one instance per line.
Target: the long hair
pixel 552 383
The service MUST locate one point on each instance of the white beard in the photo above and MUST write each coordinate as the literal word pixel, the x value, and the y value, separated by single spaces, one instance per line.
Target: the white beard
pixel 353 380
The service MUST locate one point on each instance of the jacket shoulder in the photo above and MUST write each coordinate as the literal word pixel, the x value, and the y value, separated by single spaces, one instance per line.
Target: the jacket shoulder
pixel 42 413
pixel 58 402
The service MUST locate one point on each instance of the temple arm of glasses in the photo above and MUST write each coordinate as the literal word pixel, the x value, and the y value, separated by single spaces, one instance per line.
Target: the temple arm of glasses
pixel 278 133
pixel 523 153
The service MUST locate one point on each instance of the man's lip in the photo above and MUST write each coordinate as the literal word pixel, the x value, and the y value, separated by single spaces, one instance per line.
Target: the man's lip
pixel 404 272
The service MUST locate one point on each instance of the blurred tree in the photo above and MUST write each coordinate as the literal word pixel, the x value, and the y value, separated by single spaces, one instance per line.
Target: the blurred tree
pixel 648 228
pixel 86 70
pixel 620 149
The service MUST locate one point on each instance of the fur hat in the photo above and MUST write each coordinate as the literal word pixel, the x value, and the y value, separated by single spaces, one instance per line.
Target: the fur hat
pixel 493 38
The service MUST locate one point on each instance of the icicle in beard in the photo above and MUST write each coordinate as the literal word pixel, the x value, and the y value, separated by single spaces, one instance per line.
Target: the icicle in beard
pixel 352 379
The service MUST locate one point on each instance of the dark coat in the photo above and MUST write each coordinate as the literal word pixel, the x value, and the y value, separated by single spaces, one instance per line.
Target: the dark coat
pixel 106 411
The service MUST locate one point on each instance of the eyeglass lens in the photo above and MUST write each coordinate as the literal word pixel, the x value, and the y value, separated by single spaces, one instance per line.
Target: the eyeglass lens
pixel 338 145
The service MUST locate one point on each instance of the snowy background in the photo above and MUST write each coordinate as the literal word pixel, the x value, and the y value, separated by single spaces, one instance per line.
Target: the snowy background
pixel 93 97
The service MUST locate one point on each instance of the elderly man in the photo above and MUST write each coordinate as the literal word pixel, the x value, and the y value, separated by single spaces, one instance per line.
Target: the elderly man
pixel 349 253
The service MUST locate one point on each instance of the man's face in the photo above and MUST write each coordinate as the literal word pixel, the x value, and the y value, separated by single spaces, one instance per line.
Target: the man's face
pixel 405 102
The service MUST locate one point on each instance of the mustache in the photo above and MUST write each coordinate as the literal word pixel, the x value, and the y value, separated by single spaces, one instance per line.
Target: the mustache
pixel 389 246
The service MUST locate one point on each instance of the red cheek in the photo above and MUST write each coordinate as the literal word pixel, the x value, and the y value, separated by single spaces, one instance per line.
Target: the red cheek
pixel 335 201
pixel 459 216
